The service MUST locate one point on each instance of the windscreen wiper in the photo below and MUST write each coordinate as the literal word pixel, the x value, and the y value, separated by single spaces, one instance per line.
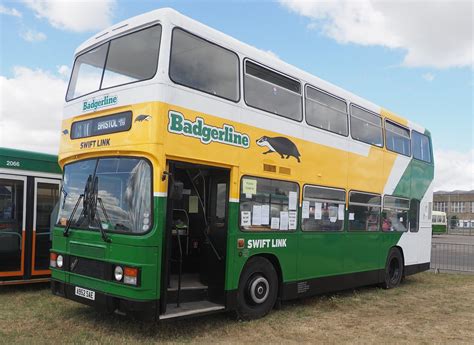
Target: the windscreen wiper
pixel 94 198
pixel 71 217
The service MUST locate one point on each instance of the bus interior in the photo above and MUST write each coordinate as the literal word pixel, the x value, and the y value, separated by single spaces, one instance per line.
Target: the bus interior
pixel 196 235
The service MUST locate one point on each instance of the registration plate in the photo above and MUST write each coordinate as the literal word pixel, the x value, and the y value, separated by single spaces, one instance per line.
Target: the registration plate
pixel 81 292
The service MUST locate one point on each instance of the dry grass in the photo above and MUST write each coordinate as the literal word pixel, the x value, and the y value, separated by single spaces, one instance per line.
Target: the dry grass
pixel 426 308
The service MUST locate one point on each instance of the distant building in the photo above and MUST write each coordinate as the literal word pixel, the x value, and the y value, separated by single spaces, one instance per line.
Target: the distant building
pixel 458 204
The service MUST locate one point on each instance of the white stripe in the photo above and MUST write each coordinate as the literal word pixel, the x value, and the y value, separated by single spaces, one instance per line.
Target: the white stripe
pixel 160 194
pixel 399 166
pixel 233 200
pixel 30 173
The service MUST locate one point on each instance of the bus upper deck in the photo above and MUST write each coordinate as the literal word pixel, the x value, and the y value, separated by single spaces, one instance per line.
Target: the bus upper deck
pixel 29 190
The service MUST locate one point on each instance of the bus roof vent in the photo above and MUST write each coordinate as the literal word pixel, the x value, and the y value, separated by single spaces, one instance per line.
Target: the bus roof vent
pixel 283 170
pixel 269 168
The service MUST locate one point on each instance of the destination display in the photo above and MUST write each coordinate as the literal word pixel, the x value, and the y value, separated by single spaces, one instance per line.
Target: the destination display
pixel 119 122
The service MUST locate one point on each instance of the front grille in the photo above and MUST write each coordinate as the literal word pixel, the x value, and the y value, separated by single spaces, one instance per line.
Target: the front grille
pixel 90 268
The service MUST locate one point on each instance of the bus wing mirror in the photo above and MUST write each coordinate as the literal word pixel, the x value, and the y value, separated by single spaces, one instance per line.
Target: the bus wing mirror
pixel 176 190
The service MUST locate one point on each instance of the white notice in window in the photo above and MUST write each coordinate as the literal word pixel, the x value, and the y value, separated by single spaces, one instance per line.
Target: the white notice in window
pixel 292 220
pixel 317 210
pixel 305 210
pixel 257 215
pixel 275 223
pixel 245 218
pixel 265 214
pixel 351 216
pixel 292 203
pixel 340 213
pixel 283 220
pixel 193 204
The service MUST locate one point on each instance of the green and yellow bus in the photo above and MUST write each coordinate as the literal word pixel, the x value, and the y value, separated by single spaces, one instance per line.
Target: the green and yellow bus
pixel 439 222
pixel 29 191
pixel 203 175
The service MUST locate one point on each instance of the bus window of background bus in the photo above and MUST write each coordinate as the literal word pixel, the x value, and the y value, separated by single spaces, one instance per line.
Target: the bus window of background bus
pixel 414 215
pixel 395 214
pixel 326 111
pixel 366 126
pixel 273 92
pixel 124 190
pixel 126 59
pixel 11 223
pixel 397 138
pixel 364 211
pixel 204 66
pixel 421 147
pixel 323 209
pixel 267 204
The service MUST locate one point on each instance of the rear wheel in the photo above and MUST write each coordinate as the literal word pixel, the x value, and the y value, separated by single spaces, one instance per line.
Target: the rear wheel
pixel 393 269
pixel 258 289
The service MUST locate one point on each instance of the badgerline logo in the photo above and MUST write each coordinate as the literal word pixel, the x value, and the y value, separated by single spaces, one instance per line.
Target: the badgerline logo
pixel 95 104
pixel 205 133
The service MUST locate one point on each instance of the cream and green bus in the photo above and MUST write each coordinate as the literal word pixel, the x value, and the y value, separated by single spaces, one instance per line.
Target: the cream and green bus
pixel 203 175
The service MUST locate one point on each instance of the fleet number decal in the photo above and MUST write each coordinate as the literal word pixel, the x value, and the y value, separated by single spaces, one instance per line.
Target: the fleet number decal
pixel 13 164
pixel 267 243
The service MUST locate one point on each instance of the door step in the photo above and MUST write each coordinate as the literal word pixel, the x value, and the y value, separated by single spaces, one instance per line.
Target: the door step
pixel 190 308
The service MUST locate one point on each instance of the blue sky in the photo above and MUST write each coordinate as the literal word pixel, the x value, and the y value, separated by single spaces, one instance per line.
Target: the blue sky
pixel 429 86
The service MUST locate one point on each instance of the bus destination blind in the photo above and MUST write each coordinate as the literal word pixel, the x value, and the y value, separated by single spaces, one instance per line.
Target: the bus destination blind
pixel 119 122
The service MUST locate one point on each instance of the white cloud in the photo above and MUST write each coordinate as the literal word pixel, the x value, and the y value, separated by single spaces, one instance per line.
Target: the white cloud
pixel 32 36
pixel 454 170
pixel 75 16
pixel 30 110
pixel 64 71
pixel 10 11
pixel 432 33
pixel 428 76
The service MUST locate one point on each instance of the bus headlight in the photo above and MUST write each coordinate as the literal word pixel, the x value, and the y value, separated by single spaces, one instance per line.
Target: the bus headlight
pixel 118 273
pixel 131 276
pixel 59 261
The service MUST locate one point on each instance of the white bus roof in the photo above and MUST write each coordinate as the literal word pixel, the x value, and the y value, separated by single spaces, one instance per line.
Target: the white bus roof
pixel 168 16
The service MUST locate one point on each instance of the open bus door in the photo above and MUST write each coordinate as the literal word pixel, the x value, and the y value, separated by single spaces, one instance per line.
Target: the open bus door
pixel 195 241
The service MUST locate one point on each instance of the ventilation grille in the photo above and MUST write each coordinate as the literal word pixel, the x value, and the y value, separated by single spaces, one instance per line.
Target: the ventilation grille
pixel 269 168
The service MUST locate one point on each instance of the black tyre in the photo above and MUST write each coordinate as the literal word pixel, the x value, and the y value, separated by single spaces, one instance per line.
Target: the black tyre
pixel 258 289
pixel 393 269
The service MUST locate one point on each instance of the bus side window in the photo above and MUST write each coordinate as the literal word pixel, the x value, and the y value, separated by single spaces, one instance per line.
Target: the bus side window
pixel 267 204
pixel 414 215
pixel 364 211
pixel 366 126
pixel 323 209
pixel 395 214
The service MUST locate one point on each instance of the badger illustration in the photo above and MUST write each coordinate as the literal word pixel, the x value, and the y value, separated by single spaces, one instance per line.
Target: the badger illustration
pixel 282 146
pixel 141 118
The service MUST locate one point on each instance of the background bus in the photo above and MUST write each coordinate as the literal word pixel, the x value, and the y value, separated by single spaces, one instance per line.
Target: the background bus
pixel 202 175
pixel 29 190
pixel 439 222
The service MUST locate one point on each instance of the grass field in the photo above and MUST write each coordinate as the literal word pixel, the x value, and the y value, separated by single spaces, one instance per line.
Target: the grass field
pixel 426 308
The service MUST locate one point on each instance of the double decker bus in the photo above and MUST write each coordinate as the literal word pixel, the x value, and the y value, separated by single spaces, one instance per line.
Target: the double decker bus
pixel 29 191
pixel 203 175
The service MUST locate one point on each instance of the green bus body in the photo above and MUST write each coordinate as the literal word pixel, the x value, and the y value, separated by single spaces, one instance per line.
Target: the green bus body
pixel 25 241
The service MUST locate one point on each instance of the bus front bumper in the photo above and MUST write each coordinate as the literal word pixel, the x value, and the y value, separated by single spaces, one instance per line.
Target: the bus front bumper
pixel 103 302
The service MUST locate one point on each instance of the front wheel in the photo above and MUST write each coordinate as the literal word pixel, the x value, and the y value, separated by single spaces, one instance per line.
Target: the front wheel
pixel 393 269
pixel 258 289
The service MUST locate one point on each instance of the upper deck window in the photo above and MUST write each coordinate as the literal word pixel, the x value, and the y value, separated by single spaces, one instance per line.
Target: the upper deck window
pixel 326 111
pixel 273 92
pixel 204 66
pixel 421 147
pixel 397 138
pixel 366 126
pixel 124 60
